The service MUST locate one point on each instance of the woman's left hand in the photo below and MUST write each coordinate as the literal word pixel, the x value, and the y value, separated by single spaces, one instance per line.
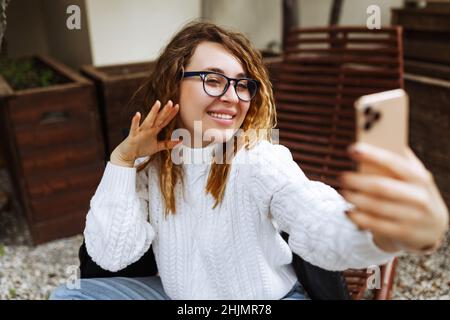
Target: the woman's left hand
pixel 403 207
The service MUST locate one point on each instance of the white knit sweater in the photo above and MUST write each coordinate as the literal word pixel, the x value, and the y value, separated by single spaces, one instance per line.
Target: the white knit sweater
pixel 234 251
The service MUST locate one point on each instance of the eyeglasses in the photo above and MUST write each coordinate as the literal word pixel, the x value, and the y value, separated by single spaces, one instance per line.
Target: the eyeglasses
pixel 216 84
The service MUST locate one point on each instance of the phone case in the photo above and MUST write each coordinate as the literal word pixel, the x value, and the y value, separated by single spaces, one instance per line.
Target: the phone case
pixel 382 121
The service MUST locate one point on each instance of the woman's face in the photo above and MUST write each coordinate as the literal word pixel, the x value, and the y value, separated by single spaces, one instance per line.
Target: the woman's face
pixel 213 113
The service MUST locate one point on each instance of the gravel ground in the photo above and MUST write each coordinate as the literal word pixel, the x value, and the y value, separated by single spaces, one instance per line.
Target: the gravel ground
pixel 31 272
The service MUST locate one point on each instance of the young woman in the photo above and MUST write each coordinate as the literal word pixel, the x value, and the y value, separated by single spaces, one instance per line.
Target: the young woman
pixel 214 226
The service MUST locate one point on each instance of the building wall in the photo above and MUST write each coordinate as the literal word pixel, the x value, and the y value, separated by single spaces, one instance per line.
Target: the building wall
pixel 72 46
pixel 39 27
pixel 25 30
pixel 135 30
pixel 112 31
pixel 315 13
pixel 122 31
pixel 261 20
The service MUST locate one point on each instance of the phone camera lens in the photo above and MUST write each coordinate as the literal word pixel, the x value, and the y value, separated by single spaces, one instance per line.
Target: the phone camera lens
pixel 367 126
pixel 368 110
pixel 377 116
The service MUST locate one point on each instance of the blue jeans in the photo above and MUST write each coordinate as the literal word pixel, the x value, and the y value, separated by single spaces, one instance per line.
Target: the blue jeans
pixel 119 288
pixel 297 293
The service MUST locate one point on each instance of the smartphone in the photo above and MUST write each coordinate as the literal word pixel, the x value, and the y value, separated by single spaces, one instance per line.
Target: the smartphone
pixel 382 121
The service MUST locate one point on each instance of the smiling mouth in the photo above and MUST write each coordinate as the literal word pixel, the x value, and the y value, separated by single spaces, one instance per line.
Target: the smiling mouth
pixel 221 116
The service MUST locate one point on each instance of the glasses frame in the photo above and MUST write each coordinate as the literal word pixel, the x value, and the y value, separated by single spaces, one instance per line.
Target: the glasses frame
pixel 203 74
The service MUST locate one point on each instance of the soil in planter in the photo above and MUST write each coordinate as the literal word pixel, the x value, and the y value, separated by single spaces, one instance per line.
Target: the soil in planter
pixel 27 73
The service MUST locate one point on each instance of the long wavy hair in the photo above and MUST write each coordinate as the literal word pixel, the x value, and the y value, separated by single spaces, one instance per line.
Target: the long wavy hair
pixel 163 84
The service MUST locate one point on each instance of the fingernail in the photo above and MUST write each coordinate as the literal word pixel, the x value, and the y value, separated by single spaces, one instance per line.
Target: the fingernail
pixel 354 149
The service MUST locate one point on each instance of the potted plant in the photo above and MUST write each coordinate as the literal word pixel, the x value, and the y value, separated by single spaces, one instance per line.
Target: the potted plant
pixel 51 142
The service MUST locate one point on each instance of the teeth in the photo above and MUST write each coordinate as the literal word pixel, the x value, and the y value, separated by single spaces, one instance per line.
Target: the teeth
pixel 220 115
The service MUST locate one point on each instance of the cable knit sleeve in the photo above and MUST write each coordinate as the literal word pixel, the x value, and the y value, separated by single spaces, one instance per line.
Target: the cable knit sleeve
pixel 312 213
pixel 117 231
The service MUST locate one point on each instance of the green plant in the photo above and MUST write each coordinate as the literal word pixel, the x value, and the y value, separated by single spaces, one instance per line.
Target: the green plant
pixel 2 250
pixel 12 293
pixel 27 73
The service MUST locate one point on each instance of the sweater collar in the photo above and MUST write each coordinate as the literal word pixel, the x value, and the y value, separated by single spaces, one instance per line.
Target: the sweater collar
pixel 197 155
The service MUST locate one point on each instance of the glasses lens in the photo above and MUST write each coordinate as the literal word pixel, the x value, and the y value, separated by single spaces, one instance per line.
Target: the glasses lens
pixel 214 84
pixel 246 89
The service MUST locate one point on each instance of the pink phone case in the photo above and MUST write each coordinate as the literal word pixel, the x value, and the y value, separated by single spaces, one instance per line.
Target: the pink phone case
pixel 382 121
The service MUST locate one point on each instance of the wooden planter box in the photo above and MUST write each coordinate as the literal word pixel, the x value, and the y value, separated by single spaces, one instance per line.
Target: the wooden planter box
pixel 430 126
pixel 52 145
pixel 115 86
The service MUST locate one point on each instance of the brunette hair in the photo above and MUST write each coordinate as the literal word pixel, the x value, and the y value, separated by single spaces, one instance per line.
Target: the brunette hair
pixel 163 84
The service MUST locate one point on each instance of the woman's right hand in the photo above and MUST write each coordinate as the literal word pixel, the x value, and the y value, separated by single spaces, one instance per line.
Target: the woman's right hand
pixel 142 139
